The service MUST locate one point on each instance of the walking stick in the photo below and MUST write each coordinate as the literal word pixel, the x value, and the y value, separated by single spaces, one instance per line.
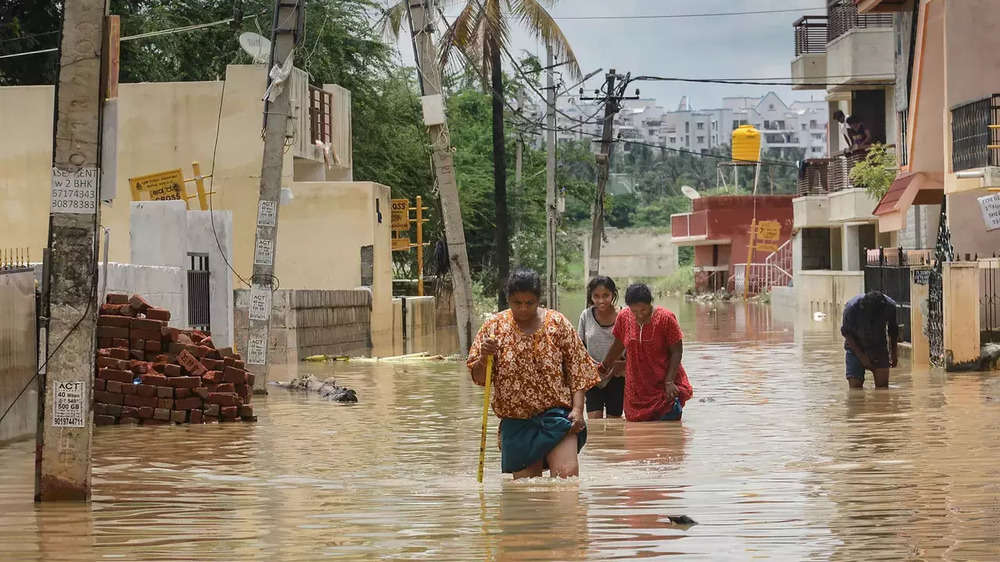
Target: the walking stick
pixel 486 413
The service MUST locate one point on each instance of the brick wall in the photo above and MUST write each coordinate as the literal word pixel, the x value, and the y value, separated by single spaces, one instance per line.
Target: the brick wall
pixel 311 322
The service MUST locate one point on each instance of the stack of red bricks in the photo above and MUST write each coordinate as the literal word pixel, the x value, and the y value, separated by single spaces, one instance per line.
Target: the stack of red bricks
pixel 151 374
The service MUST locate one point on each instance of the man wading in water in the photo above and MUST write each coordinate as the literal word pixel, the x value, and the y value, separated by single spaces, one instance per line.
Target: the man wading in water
pixel 867 319
pixel 541 372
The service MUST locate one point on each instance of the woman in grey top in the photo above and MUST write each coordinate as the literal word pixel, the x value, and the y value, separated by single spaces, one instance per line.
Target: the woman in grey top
pixel 595 328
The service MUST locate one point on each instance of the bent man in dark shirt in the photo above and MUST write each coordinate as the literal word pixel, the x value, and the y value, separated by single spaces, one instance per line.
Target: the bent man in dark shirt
pixel 867 320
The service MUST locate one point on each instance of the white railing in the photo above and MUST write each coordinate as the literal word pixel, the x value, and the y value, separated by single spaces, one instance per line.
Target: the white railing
pixel 779 266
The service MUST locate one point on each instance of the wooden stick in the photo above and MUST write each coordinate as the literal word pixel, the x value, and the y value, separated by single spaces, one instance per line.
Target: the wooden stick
pixel 486 414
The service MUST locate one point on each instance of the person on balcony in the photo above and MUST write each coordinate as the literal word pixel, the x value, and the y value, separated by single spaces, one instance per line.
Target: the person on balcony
pixel 867 320
pixel 860 136
pixel 841 120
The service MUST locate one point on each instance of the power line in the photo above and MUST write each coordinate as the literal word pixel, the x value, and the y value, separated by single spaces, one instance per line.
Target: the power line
pixel 680 16
pixel 747 82
pixel 31 36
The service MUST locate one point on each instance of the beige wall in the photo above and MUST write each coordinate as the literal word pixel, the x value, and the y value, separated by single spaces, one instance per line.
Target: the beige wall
pixel 968 231
pixel 961 313
pixel 827 290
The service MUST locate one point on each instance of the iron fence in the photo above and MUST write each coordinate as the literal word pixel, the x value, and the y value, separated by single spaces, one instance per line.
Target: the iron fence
pixel 989 300
pixel 889 273
pixel 843 17
pixel 975 134
pixel 199 293
pixel 810 35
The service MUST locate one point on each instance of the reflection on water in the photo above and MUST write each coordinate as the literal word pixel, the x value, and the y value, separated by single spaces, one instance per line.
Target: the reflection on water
pixel 776 458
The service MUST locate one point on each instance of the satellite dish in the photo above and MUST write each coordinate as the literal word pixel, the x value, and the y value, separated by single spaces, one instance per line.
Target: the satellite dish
pixel 690 192
pixel 257 46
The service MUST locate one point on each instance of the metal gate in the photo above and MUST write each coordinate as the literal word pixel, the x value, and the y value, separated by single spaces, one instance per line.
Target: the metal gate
pixel 199 295
pixel 943 252
pixel 889 273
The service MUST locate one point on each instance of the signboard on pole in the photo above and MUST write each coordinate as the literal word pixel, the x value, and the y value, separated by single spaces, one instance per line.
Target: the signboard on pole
pixel 400 215
pixel 768 231
pixel 990 206
pixel 400 244
pixel 161 186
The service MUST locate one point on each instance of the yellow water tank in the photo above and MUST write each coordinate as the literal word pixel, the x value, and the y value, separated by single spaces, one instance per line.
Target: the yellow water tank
pixel 746 144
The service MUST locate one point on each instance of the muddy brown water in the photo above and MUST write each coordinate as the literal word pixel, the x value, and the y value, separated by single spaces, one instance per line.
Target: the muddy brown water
pixel 775 458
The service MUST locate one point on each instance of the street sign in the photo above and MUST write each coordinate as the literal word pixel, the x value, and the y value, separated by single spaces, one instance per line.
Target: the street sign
pixel 161 186
pixel 769 231
pixel 767 246
pixel 400 244
pixel 401 215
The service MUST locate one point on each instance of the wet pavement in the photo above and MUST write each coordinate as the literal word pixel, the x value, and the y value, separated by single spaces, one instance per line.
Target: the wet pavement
pixel 775 458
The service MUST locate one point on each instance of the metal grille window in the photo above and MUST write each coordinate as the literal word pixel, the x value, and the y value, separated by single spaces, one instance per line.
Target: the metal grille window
pixel 321 114
pixel 904 155
pixel 810 35
pixel 199 295
pixel 975 134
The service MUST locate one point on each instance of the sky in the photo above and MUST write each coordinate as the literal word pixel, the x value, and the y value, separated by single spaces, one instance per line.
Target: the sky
pixel 742 46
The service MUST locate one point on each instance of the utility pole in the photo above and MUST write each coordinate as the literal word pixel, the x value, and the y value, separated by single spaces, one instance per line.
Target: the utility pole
pixel 421 18
pixel 551 210
pixel 62 462
pixel 289 17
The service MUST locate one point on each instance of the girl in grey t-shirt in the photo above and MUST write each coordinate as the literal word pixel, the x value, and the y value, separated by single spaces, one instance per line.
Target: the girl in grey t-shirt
pixel 597 322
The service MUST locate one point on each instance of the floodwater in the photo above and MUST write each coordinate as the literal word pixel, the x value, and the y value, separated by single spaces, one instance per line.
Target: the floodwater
pixel 775 458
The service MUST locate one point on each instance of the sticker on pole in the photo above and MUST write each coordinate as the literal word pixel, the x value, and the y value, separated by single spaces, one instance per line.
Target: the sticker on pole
pixel 267 213
pixel 68 404
pixel 74 192
pixel 260 302
pixel 263 252
pixel 990 207
pixel 257 351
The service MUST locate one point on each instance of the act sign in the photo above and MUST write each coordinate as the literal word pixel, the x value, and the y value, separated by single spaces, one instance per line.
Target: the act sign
pixel 161 186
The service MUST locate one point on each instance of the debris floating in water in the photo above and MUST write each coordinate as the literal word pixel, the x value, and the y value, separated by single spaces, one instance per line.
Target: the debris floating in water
pixel 328 389
pixel 681 520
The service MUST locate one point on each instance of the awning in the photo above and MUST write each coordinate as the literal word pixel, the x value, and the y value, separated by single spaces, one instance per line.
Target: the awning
pixel 915 188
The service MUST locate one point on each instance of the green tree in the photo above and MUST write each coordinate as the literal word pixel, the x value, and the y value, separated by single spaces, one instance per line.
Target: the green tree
pixel 876 172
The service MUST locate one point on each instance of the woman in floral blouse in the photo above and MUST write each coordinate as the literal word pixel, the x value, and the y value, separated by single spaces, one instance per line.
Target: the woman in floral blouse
pixel 541 373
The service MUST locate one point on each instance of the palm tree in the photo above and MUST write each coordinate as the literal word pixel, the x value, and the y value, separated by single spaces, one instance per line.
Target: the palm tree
pixel 481 32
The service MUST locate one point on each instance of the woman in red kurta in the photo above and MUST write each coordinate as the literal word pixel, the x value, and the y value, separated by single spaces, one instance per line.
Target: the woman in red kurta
pixel 656 385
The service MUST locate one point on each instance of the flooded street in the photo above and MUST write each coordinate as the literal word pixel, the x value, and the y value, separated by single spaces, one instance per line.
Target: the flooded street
pixel 775 458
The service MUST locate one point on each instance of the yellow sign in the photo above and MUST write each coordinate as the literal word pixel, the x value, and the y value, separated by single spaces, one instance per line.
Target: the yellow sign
pixel 161 186
pixel 400 244
pixel 769 231
pixel 767 246
pixel 401 215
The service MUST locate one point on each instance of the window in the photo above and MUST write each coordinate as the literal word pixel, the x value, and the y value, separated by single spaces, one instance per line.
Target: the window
pixel 813 124
pixel 673 140
pixel 767 124
pixel 687 126
pixel 803 126
pixel 780 124
pixel 715 125
pixel 736 124
pixel 652 132
pixel 701 140
pixel 770 107
pixel 687 140
pixel 701 126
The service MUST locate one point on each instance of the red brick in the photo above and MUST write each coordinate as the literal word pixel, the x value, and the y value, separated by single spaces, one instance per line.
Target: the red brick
pixel 130 411
pixel 197 416
pixel 139 367
pixel 200 351
pixel 251 378
pixel 113 386
pixel 222 398
pixel 207 342
pixel 114 321
pixel 226 351
pixel 104 420
pixel 147 324
pixel 108 397
pixel 115 375
pixel 229 412
pixel 140 401
pixel 100 407
pixel 153 346
pixel 138 303
pixel 212 410
pixel 137 354
pixel 157 313
pixel 116 298
pixel 100 384
pixel 164 392
pixel 156 380
pixel 225 387
pixel 181 392
pixel 167 403
pixel 244 392
pixel 240 364
pixel 176 348
pixel 210 419
pixel 156 422
pixel 178 416
pixel 128 421
pixel 246 411
pixel 111 363
pixel 190 363
pixel 105 342
pixel 188 403
pixel 108 309
pixel 129 388
pixel 184 382
pixel 200 392
pixel 146 412
pixel 119 342
pixel 112 332
pixel 145 390
pixel 234 375
pixel 162 414
pixel 229 361
pixel 213 364
pixel 212 377
pixel 113 409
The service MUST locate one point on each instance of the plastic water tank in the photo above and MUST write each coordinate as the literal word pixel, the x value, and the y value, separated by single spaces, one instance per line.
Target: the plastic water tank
pixel 746 144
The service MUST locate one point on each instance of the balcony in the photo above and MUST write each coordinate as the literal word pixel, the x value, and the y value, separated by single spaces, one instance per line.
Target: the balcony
pixel 322 123
pixel 975 134
pixel 809 64
pixel 826 195
pixel 860 47
pixel 689 228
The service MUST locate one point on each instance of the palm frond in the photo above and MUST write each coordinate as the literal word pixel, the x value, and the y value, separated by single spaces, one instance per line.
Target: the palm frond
pixel 537 21
pixel 391 21
pixel 463 35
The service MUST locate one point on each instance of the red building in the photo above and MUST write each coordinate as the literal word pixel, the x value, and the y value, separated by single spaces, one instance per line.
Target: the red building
pixel 718 228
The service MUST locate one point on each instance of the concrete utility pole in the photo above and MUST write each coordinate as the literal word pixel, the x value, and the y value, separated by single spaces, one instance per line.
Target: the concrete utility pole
pixel 421 18
pixel 289 17
pixel 62 462
pixel 551 210
pixel 603 165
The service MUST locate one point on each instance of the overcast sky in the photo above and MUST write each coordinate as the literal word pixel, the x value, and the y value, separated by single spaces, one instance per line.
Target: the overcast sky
pixel 742 46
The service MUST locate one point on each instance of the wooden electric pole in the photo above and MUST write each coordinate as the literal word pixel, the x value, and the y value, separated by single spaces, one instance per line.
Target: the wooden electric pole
pixel 551 206
pixel 65 430
pixel 421 15
pixel 288 21
pixel 603 167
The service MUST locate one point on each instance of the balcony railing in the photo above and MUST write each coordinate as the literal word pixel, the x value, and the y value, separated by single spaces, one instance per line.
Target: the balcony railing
pixel 810 35
pixel 685 225
pixel 843 17
pixel 975 134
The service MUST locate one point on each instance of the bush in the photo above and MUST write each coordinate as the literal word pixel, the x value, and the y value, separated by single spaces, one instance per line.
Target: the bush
pixel 876 172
